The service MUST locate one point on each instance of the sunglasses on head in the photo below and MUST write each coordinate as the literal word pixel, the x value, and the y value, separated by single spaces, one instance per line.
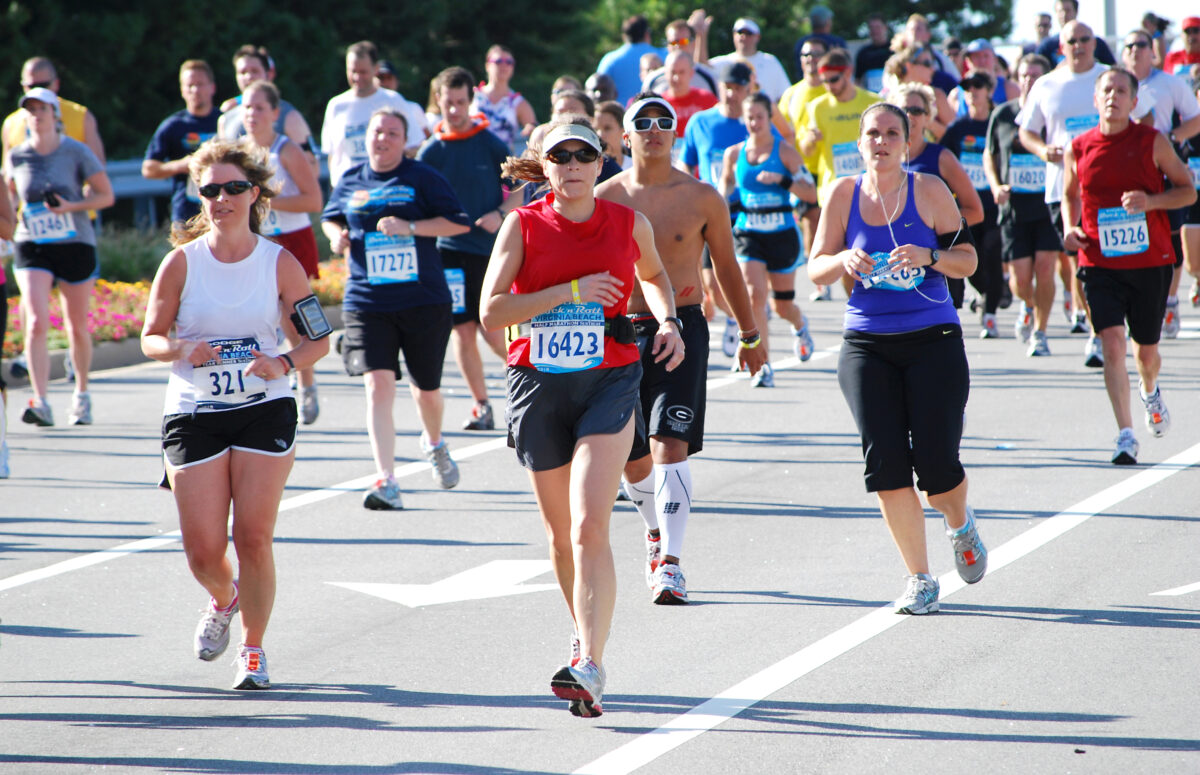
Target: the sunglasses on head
pixel 502 61
pixel 679 42
pixel 232 187
pixel 915 110
pixel 585 155
pixel 665 123
pixel 1080 39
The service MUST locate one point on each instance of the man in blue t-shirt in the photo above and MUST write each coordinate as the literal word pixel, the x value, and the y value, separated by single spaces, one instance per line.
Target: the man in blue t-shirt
pixel 623 64
pixel 180 134
pixel 469 156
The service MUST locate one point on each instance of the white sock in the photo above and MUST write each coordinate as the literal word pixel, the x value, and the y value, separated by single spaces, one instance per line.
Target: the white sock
pixel 673 502
pixel 642 495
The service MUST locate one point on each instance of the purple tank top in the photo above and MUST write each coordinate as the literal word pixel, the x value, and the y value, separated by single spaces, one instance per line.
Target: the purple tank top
pixel 882 311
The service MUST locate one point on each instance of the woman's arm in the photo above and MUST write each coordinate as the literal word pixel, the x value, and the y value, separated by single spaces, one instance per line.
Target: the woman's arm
pixel 293 286
pixel 161 309
pixel 800 185
pixel 936 206
pixel 295 162
pixel 959 181
pixel 728 182
pixel 831 258
pixel 99 196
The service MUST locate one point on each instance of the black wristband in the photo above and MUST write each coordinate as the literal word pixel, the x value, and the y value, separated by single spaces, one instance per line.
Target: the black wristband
pixel 288 359
pixel 785 182
pixel 678 323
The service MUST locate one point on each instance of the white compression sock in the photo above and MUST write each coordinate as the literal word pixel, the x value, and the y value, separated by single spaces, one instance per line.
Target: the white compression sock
pixel 642 495
pixel 673 502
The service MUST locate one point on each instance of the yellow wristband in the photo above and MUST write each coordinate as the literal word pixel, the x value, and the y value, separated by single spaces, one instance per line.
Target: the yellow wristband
pixel 575 292
pixel 751 344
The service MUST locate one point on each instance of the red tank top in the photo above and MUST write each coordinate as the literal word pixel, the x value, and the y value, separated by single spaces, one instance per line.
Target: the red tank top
pixel 558 250
pixel 1109 165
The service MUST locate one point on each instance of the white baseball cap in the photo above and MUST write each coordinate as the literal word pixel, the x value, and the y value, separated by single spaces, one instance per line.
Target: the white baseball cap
pixel 41 94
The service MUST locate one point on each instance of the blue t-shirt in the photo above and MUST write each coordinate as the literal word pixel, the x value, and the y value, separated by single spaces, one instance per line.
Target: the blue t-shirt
pixel 179 135
pixel 472 167
pixel 623 65
pixel 707 136
pixel 396 273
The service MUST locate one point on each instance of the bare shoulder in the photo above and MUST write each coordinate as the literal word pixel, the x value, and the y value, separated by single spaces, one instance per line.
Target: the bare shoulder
pixel 617 189
pixel 931 186
pixel 840 193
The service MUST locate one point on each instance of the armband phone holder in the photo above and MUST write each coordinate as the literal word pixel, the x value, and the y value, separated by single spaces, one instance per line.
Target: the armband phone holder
pixel 309 319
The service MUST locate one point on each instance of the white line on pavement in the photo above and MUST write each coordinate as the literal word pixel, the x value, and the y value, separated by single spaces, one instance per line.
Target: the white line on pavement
pixel 1184 590
pixel 642 750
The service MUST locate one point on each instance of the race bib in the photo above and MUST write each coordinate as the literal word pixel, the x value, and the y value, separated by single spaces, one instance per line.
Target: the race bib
pixel 391 259
pixel 716 166
pixel 1122 233
pixel 1194 168
pixel 973 163
pixel 354 143
pixel 847 160
pixel 892 279
pixel 458 290
pixel 874 79
pixel 1077 125
pixel 569 337
pixel 1026 174
pixel 47 226
pixel 270 226
pixel 222 383
pixel 765 221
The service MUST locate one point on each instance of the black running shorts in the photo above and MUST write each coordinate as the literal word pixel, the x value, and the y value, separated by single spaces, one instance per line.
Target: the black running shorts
pixel 70 262
pixel 779 250
pixel 268 428
pixel 673 402
pixel 1135 295
pixel 374 341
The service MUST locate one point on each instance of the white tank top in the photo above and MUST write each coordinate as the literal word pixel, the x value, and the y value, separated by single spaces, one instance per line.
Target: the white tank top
pixel 278 222
pixel 237 306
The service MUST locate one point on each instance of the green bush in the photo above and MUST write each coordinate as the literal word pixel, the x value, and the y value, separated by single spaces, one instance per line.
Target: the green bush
pixel 128 255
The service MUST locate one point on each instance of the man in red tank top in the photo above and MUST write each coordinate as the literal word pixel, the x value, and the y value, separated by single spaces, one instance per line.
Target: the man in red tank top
pixel 1115 215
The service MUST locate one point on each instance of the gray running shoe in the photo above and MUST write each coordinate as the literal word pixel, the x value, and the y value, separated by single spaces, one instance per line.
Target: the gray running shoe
pixel 251 669
pixel 1093 353
pixel 1158 419
pixel 445 470
pixel 970 555
pixel 1038 345
pixel 1170 326
pixel 38 413
pixel 583 684
pixel 988 328
pixel 1068 310
pixel 212 633
pixel 310 407
pixel 384 495
pixel 81 409
pixel 729 341
pixel 1127 449
pixel 803 345
pixel 670 587
pixel 480 418
pixel 920 595
pixel 765 378
pixel 1024 323
pixel 821 294
pixel 653 557
pixel 4 470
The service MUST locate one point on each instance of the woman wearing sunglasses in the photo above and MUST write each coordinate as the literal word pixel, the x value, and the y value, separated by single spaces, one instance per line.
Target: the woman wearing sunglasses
pixel 229 424
pixel 902 367
pixel 287 221
pixel 509 115
pixel 917 64
pixel 55 241
pixel 559 281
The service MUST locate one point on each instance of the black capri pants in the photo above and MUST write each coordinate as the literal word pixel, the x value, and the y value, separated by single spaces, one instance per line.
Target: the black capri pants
pixel 907 393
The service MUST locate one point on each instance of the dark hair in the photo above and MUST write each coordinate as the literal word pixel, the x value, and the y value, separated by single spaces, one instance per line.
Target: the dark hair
pixel 1035 59
pixel 834 57
pixel 528 166
pixel 257 52
pixel 394 113
pixel 758 98
pixel 364 49
pixel 585 99
pixel 254 163
pixel 1133 81
pixel 1074 4
pixel 634 28
pixel 602 85
pixel 267 88
pixel 612 108
pixel 454 78
pixel 886 107
pixel 978 78
pixel 1143 34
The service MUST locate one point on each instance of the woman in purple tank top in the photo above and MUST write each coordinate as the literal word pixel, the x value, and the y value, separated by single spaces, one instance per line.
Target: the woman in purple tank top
pixel 902 368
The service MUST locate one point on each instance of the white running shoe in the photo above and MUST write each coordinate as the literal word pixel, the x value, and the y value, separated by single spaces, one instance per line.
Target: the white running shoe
pixel 38 413
pixel 1171 326
pixel 583 684
pixel 1093 353
pixel 1024 323
pixel 920 595
pixel 81 409
pixel 212 633
pixel 729 341
pixel 444 469
pixel 1127 449
pixel 1038 346
pixel 4 470
pixel 1158 419
pixel 822 293
pixel 802 343
pixel 251 669
pixel 670 587
pixel 765 378
pixel 310 407
pixel 989 329
pixel 653 557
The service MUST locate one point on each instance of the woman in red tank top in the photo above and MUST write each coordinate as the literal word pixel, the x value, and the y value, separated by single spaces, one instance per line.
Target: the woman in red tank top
pixel 559 281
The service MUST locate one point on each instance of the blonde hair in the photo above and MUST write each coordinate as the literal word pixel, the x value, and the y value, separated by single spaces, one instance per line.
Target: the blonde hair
pixel 898 95
pixel 253 161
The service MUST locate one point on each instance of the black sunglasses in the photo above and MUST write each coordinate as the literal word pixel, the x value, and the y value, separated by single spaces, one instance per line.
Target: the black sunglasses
pixel 1081 39
pixel 915 110
pixel 37 85
pixel 1137 44
pixel 583 155
pixel 232 187
pixel 664 123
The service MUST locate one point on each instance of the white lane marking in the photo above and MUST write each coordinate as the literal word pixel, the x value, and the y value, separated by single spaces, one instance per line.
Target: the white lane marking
pixel 498 578
pixel 642 750
pixel 1184 590
pixel 294 502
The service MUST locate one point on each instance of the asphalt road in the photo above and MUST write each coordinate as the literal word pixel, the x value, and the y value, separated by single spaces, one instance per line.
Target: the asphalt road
pixel 423 641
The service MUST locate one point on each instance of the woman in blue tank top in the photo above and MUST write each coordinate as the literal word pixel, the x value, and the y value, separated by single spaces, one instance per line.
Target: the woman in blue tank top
pixel 902 368
pixel 761 174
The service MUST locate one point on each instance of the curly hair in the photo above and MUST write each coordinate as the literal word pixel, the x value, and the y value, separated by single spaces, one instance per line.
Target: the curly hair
pixel 251 160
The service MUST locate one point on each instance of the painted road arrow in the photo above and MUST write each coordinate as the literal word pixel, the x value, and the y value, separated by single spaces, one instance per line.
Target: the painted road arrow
pixel 499 578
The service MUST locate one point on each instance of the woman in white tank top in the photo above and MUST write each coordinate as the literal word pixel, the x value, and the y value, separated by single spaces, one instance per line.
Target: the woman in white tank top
pixel 230 420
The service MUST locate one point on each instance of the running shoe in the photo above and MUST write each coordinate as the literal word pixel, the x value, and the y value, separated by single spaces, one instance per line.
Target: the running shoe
pixel 1158 419
pixel 822 293
pixel 310 408
pixel 1024 323
pixel 802 343
pixel 1006 297
pixel 384 495
pixel 729 341
pixel 765 378
pixel 19 368
pixel 69 368
pixel 989 328
pixel 38 413
pixel 251 669
pixel 480 418
pixel 583 684
pixel 81 409
pixel 1093 353
pixel 4 470
pixel 1068 310
pixel 920 595
pixel 212 633
pixel 1038 345
pixel 653 557
pixel 575 650
pixel 1079 325
pixel 970 555
pixel 670 587
pixel 1195 294
pixel 1170 326
pixel 1127 449
pixel 444 469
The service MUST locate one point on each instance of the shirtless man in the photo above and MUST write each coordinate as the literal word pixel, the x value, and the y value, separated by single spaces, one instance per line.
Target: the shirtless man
pixel 686 214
